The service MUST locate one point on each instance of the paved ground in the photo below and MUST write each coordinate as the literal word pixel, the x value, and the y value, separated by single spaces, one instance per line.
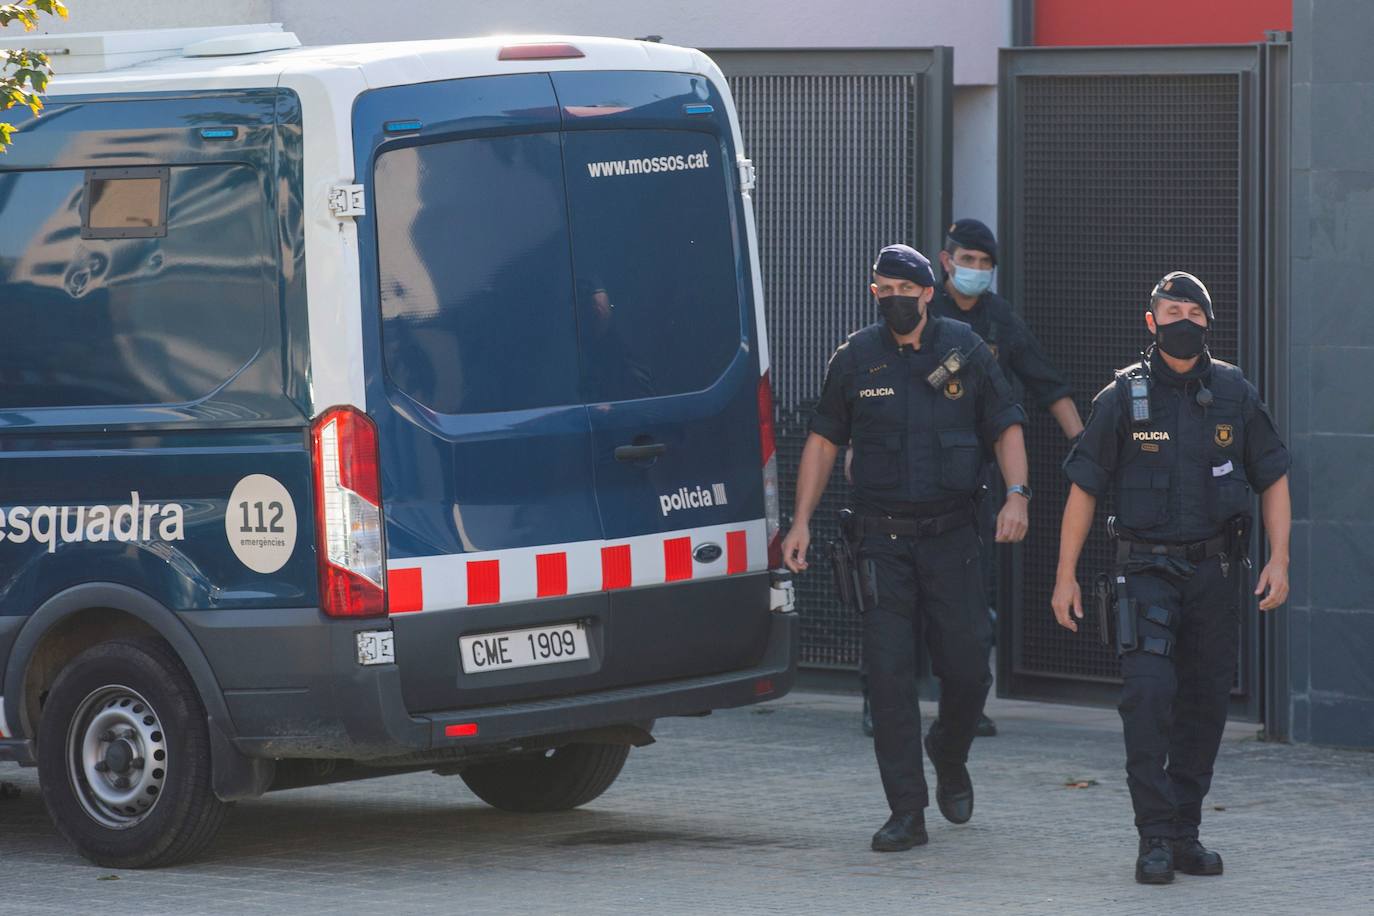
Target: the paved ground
pixel 767 810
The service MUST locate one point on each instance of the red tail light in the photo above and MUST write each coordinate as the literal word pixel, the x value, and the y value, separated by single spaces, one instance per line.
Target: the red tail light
pixel 539 52
pixel 768 448
pixel 348 514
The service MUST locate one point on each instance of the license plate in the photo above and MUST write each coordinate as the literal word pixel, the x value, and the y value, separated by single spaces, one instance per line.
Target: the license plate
pixel 522 648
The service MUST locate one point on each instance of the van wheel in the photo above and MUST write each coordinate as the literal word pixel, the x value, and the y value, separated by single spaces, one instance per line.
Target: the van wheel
pixel 556 780
pixel 124 757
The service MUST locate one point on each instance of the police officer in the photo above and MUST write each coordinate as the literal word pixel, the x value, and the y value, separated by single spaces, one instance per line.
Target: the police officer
pixel 1182 440
pixel 969 259
pixel 921 397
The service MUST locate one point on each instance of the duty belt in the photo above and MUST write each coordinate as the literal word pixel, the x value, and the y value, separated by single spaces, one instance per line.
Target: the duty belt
pixel 911 527
pixel 1193 553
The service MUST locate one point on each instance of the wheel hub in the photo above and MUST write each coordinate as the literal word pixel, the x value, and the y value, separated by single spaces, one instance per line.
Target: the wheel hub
pixel 117 756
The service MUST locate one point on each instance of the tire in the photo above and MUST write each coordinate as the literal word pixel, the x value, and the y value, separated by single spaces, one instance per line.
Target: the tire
pixel 556 780
pixel 142 799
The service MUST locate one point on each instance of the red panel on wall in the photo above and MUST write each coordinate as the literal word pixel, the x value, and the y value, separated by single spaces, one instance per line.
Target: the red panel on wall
pixel 1159 22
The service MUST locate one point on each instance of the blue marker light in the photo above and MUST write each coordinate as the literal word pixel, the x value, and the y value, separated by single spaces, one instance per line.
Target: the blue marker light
pixel 219 133
pixel 698 109
pixel 399 127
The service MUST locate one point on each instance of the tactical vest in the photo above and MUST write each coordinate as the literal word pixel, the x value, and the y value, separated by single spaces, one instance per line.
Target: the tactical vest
pixel 1179 478
pixel 912 442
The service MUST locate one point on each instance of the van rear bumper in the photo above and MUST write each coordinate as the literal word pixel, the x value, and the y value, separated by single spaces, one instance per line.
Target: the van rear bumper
pixel 771 678
pixel 294 689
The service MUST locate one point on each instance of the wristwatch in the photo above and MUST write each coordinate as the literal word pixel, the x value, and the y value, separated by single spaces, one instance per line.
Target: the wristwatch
pixel 1020 488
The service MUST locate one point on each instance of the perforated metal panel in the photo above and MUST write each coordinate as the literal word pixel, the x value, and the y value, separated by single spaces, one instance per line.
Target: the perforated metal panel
pixel 1112 179
pixel 1110 205
pixel 850 149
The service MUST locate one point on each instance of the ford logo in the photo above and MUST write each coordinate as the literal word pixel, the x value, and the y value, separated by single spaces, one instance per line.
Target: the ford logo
pixel 707 553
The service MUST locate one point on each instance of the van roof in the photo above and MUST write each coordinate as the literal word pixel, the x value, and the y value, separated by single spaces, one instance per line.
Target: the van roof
pixel 230 58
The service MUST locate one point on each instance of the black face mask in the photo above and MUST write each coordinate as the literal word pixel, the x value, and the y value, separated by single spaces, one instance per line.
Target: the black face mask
pixel 1181 339
pixel 902 313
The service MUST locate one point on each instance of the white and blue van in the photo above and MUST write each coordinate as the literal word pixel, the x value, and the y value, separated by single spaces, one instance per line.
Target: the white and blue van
pixel 374 408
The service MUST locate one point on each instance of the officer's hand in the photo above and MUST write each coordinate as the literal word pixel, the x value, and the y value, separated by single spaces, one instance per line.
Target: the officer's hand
pixel 1273 577
pixel 1067 603
pixel 1013 520
pixel 794 547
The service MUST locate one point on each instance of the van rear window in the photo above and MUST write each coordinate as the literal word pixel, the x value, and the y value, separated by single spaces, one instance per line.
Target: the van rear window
pixel 658 286
pixel 476 279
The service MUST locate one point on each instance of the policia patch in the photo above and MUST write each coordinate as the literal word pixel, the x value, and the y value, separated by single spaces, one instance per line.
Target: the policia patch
pixel 1225 435
pixel 954 389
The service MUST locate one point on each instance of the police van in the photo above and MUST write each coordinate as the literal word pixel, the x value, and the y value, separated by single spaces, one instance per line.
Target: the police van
pixel 370 409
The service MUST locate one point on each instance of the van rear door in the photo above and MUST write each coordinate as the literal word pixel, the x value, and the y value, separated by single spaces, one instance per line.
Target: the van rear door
pixel 670 369
pixel 472 379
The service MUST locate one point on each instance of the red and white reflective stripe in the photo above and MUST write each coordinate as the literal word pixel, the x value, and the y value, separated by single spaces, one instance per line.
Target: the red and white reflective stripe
pixel 4 726
pixel 526 573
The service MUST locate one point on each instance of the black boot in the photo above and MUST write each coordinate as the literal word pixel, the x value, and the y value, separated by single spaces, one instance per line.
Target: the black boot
pixel 1192 858
pixel 953 788
pixel 867 722
pixel 1155 864
pixel 903 830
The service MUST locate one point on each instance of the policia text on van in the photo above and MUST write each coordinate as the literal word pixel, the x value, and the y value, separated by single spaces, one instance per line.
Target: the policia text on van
pixel 422 445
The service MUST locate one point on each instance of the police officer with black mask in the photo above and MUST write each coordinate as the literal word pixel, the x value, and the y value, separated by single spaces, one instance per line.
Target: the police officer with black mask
pixel 922 399
pixel 969 259
pixel 1182 440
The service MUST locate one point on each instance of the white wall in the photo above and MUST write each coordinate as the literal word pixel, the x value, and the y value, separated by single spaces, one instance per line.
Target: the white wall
pixel 103 15
pixel 974 28
pixel 975 153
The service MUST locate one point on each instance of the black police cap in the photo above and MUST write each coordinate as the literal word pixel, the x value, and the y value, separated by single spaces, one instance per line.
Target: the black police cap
pixel 975 236
pixel 904 263
pixel 1184 287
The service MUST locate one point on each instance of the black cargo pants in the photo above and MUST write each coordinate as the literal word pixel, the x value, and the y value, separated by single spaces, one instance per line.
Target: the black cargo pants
pixel 985 516
pixel 1173 707
pixel 931 585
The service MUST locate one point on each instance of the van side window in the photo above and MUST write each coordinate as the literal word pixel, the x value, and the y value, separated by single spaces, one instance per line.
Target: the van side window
pixel 476 275
pixel 125 204
pixel 658 286
pixel 142 315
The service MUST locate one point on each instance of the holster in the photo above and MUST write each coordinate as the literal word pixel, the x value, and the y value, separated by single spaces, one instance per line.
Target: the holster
pixel 1238 530
pixel 1114 606
pixel 1102 603
pixel 845 565
pixel 1127 625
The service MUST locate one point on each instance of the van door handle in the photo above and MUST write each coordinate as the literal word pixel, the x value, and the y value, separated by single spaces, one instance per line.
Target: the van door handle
pixel 639 452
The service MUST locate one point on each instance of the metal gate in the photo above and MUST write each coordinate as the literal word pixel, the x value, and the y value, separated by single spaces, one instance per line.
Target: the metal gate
pixel 852 151
pixel 1117 166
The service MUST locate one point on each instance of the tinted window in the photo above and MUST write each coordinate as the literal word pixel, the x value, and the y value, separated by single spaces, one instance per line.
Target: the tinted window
pixel 144 320
pixel 657 291
pixel 476 280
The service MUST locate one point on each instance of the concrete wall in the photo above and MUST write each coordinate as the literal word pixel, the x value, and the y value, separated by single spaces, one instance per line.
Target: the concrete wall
pixel 102 15
pixel 1331 333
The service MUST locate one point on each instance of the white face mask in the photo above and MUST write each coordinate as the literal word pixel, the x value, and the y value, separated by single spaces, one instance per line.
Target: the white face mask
pixel 971 282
